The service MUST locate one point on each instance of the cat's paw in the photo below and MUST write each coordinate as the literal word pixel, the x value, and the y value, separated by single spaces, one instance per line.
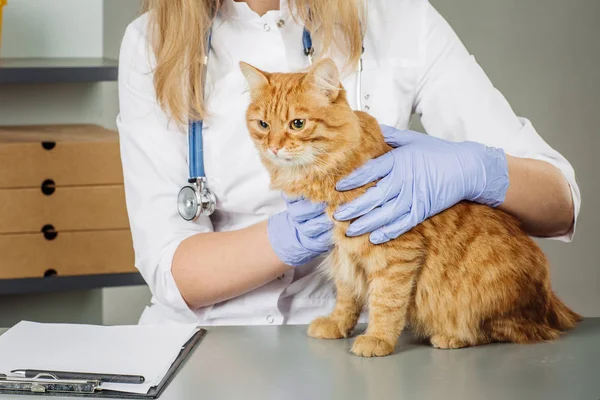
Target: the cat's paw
pixel 325 328
pixel 371 346
pixel 447 342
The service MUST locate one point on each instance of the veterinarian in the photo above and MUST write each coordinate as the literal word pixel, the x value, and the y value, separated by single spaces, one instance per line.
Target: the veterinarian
pixel 253 260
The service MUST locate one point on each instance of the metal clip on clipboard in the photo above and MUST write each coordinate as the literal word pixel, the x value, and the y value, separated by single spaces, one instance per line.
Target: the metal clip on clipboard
pixel 47 383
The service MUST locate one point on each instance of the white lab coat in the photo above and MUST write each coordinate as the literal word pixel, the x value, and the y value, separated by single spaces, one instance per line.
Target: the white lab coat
pixel 413 63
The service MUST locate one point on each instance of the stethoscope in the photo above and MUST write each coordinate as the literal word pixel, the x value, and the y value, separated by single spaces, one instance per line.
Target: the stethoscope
pixel 196 199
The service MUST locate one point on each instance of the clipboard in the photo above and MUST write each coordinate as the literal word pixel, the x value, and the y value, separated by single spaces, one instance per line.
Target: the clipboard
pixel 153 393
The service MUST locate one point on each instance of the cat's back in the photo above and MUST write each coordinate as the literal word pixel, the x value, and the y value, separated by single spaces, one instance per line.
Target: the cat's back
pixel 471 231
pixel 471 219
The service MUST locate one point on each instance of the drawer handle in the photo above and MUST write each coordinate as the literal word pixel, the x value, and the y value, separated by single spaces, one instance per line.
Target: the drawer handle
pixel 50 272
pixel 49 232
pixel 48 187
pixel 48 145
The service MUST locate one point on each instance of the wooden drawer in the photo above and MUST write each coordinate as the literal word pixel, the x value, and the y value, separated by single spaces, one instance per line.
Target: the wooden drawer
pixel 69 254
pixel 66 209
pixel 71 155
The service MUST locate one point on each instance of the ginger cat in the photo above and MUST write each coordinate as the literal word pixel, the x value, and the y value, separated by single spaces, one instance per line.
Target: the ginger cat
pixel 465 277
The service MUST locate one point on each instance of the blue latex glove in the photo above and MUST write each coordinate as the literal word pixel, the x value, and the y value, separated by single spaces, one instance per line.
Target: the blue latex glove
pixel 422 176
pixel 300 233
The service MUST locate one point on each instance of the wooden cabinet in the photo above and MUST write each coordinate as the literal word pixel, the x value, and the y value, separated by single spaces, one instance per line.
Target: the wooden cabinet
pixel 62 203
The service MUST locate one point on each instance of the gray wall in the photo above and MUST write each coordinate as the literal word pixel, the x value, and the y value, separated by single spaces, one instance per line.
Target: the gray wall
pixel 542 54
pixel 59 28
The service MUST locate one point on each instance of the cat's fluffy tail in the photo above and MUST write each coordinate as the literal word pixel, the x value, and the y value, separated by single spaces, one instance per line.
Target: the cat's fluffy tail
pixel 560 316
pixel 519 329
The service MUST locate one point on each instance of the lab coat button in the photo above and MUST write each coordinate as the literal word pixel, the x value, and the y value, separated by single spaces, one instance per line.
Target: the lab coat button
pixel 367 96
pixel 267 27
pixel 280 23
pixel 270 319
pixel 367 108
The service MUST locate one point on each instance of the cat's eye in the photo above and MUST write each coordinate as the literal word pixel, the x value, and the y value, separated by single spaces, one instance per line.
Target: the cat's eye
pixel 297 124
pixel 263 124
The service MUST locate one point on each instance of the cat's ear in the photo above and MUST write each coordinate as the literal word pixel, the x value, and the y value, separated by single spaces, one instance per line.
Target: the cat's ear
pixel 256 78
pixel 325 76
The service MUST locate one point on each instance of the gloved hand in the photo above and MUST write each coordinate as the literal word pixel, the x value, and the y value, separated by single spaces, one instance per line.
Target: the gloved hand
pixel 300 233
pixel 422 176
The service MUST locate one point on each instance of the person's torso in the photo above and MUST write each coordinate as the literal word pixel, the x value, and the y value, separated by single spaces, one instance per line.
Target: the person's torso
pixel 234 171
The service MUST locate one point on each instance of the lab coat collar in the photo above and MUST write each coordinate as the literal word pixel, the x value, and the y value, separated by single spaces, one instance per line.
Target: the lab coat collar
pixel 240 11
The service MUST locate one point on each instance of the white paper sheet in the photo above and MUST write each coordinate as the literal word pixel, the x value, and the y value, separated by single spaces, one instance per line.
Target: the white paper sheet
pixel 133 350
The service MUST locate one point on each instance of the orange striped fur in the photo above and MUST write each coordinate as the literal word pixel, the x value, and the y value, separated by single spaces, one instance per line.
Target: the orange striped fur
pixel 465 277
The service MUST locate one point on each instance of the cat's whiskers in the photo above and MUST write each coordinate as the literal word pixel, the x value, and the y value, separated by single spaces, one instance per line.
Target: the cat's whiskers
pixel 329 163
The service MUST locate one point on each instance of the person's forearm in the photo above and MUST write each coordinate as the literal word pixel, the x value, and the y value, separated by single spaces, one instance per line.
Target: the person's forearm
pixel 213 267
pixel 539 196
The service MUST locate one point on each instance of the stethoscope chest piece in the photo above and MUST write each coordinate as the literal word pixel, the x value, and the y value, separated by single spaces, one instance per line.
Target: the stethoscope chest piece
pixel 196 200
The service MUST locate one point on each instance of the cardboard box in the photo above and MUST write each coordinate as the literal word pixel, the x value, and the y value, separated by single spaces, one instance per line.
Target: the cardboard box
pixel 79 208
pixel 70 155
pixel 62 202
pixel 68 254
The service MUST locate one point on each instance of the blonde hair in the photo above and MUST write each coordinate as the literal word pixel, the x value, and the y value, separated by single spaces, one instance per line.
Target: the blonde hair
pixel 179 28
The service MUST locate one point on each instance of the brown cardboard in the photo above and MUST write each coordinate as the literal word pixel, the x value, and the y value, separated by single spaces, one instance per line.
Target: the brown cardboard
pixel 67 209
pixel 69 254
pixel 82 155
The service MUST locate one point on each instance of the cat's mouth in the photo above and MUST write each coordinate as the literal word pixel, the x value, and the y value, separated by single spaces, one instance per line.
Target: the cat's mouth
pixel 286 160
pixel 282 160
pixel 281 156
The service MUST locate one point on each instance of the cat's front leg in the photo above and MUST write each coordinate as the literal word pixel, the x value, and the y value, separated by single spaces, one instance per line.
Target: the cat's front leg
pixel 342 320
pixel 340 323
pixel 390 291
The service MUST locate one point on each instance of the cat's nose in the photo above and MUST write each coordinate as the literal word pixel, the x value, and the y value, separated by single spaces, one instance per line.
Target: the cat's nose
pixel 274 150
